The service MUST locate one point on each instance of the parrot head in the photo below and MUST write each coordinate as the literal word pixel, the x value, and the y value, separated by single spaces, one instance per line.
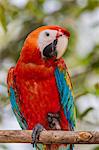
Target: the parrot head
pixel 46 42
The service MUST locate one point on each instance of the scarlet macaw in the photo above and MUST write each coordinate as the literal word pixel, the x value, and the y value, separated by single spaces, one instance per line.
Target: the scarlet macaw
pixel 39 85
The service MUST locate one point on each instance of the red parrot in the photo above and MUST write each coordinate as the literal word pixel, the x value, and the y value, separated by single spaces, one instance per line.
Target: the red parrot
pixel 39 85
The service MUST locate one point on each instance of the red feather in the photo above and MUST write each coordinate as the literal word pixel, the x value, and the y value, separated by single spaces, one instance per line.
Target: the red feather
pixel 35 84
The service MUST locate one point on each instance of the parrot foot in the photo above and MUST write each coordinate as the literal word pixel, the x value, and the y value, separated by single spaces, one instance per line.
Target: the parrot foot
pixel 54 121
pixel 36 132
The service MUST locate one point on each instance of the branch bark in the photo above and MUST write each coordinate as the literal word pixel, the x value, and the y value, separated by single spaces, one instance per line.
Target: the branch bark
pixel 48 137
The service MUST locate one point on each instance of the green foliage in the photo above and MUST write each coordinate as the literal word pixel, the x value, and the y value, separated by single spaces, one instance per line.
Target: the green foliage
pixel 81 116
pixel 3 18
pixel 35 8
pixel 97 148
pixel 97 89
pixel 3 147
pixel 92 60
pixel 92 4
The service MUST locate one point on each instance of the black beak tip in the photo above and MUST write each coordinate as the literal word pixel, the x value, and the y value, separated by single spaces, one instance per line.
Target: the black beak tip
pixel 50 50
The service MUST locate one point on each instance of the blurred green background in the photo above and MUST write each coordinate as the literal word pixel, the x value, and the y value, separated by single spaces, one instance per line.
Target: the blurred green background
pixel 81 17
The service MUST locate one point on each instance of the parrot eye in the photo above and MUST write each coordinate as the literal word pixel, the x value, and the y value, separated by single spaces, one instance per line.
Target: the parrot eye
pixel 47 34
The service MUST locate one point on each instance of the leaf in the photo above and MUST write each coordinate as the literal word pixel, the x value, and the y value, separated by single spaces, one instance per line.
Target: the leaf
pixel 36 9
pixel 77 111
pixel 97 89
pixel 96 148
pixel 3 18
pixel 85 112
pixel 3 147
pixel 30 7
pixel 41 2
pixel 92 4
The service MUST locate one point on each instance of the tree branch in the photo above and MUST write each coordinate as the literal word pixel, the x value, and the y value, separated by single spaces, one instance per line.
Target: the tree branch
pixel 48 137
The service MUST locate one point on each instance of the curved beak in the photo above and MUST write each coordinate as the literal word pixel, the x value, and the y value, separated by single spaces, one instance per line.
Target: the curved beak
pixel 50 50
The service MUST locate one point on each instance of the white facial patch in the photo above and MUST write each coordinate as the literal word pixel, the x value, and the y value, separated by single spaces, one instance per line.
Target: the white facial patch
pixel 47 37
pixel 61 45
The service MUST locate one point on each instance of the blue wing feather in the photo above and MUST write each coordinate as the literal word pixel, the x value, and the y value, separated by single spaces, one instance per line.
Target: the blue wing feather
pixel 65 96
pixel 16 109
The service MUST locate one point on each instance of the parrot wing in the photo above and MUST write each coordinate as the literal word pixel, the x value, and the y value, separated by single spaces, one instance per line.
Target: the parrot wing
pixel 65 90
pixel 14 99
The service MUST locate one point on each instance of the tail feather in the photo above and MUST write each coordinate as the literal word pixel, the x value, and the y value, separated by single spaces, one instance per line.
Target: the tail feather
pixel 65 147
pixel 58 147
pixel 54 147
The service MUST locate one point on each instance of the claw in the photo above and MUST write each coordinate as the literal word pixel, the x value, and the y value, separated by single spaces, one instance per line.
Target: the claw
pixel 54 121
pixel 36 133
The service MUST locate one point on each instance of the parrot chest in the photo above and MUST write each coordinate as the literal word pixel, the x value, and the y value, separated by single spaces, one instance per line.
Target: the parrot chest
pixel 37 99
